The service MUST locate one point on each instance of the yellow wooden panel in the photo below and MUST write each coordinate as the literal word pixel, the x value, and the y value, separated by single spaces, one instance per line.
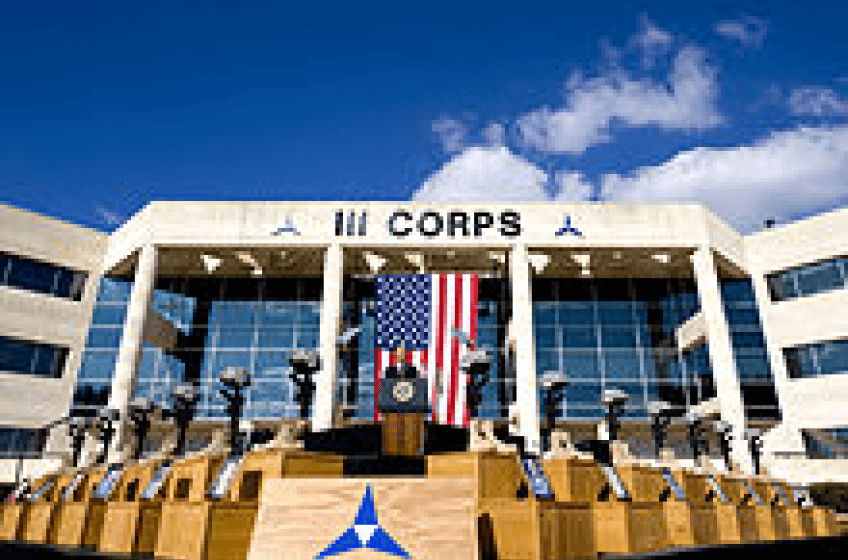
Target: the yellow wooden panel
pixel 566 531
pixel 611 527
pixel 644 483
pixel 705 530
pixel 72 524
pixel 574 479
pixel 795 523
pixel 679 523
pixel 182 531
pixel 728 524
pixel 39 518
pixel 230 531
pixel 149 523
pixel 429 518
pixel 200 470
pixel 120 528
pixel 94 525
pixel 647 527
pixel 12 516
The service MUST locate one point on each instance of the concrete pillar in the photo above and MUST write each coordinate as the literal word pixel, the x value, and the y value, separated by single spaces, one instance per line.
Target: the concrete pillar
pixel 786 437
pixel 525 346
pixel 722 360
pixel 129 353
pixel 331 312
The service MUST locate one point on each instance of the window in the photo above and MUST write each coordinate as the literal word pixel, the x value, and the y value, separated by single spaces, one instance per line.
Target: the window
pixel 36 276
pixel 31 358
pixel 20 441
pixel 813 360
pixel 826 444
pixel 808 279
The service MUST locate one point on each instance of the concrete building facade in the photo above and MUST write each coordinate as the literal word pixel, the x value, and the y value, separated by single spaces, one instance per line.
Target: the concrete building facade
pixel 663 301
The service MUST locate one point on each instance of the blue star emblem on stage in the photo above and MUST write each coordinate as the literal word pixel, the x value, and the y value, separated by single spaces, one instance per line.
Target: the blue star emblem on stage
pixel 568 228
pixel 365 532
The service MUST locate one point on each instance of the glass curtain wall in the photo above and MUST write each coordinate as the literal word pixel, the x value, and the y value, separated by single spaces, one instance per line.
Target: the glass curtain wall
pixel 356 367
pixel 250 323
pixel 94 378
pixel 615 333
pixel 752 362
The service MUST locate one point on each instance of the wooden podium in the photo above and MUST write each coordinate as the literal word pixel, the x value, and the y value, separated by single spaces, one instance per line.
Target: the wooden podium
pixel 403 433
pixel 404 404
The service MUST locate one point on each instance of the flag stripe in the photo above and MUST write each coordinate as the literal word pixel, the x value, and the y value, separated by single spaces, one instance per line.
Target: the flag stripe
pixel 378 369
pixel 472 330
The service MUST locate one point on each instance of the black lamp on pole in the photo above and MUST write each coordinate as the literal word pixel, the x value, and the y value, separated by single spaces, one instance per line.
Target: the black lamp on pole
pixel 78 427
pixel 554 384
pixel 305 363
pixel 235 381
pixel 755 443
pixel 613 400
pixel 106 431
pixel 185 395
pixel 476 365
pixel 660 413
pixel 695 433
pixel 724 431
pixel 142 411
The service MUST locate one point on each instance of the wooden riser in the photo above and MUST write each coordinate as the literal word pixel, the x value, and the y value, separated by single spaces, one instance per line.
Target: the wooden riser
pixel 12 520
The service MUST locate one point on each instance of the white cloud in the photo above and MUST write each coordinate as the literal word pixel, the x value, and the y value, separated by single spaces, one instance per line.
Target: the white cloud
pixel 572 187
pixel 451 134
pixel 652 41
pixel 817 101
pixel 786 174
pixel 485 174
pixel 686 102
pixel 748 30
pixel 495 135
pixel 107 216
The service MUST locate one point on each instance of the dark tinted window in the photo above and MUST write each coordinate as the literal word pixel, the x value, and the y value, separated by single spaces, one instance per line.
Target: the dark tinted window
pixel 37 276
pixel 31 358
pixel 21 441
pixel 808 280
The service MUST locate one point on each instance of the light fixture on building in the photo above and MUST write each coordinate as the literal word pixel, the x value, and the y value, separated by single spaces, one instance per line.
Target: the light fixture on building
pixel 417 259
pixel 582 259
pixel 585 271
pixel 210 262
pixel 375 262
pixel 616 255
pixel 499 256
pixel 250 260
pixel 451 254
pixel 538 261
pixel 661 257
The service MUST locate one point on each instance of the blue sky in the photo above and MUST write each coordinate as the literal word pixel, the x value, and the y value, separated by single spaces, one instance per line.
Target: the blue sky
pixel 106 106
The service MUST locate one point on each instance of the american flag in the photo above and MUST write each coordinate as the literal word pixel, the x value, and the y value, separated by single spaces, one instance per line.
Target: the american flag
pixel 420 310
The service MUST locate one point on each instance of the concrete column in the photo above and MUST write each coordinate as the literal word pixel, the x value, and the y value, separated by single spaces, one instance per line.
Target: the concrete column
pixel 129 353
pixel 525 347
pixel 331 313
pixel 723 363
pixel 786 436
